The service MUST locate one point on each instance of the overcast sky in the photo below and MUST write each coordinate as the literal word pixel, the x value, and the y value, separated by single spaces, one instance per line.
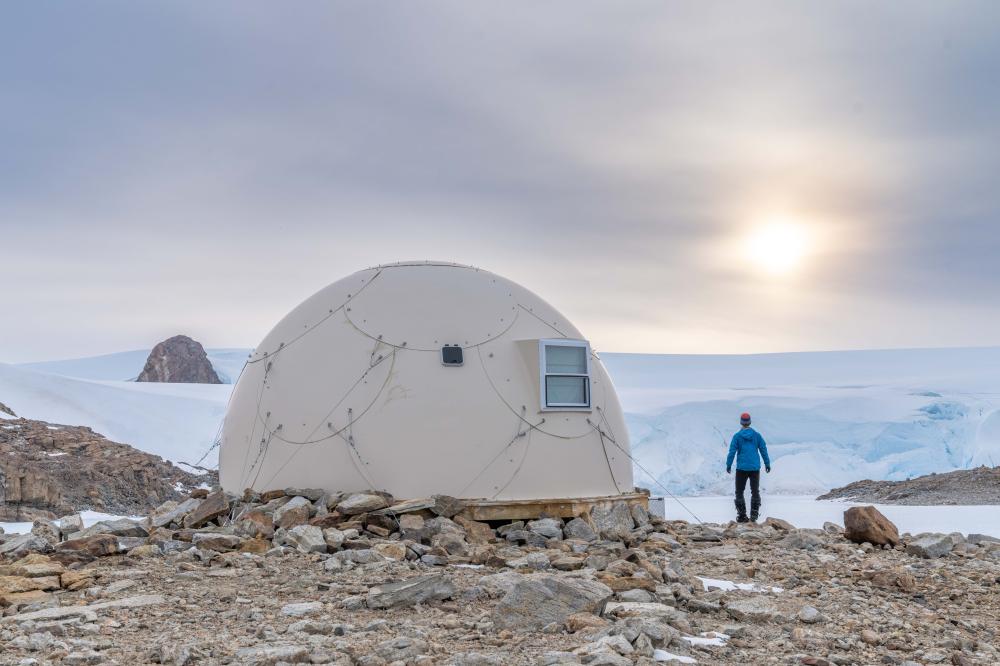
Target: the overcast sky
pixel 203 167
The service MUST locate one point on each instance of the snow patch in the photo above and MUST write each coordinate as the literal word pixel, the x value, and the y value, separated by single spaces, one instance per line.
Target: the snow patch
pixel 708 638
pixel 729 586
pixel 663 655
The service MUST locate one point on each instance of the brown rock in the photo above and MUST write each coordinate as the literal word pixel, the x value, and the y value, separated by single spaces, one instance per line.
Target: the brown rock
pixel 869 637
pixel 476 532
pixel 213 506
pixel 391 550
pixel 270 495
pixel 255 546
pixel 11 584
pixel 18 598
pixel 779 524
pixel 290 518
pixel 580 621
pixel 621 584
pixel 332 519
pixel 78 579
pixel 866 523
pixel 97 545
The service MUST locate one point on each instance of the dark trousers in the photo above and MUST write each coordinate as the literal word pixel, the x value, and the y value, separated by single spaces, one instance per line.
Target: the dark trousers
pixel 742 477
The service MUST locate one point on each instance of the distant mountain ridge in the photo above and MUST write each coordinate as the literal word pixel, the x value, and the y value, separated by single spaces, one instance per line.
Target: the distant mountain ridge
pixel 126 366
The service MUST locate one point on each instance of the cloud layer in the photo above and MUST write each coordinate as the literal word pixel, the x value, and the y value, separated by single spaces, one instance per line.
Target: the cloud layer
pixel 202 168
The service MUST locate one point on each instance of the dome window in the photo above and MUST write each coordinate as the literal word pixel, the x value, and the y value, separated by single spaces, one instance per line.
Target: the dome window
pixel 565 374
pixel 451 355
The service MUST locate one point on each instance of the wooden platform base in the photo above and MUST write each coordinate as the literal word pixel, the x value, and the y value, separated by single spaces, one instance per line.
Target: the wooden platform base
pixel 484 510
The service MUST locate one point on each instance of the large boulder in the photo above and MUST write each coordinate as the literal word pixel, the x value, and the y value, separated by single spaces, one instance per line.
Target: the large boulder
pixel 537 601
pixel 866 523
pixel 22 544
pixel 179 360
pixel 613 521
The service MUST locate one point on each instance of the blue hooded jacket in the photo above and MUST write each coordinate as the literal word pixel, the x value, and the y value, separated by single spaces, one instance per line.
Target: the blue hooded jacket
pixel 744 448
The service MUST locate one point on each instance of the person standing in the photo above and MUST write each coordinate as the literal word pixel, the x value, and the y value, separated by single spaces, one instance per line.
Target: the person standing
pixel 747 447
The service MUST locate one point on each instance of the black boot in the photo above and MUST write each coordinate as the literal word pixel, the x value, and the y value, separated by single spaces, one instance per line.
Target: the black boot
pixel 741 510
pixel 754 510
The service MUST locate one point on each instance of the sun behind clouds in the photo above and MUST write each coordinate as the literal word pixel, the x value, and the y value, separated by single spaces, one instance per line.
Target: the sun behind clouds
pixel 778 247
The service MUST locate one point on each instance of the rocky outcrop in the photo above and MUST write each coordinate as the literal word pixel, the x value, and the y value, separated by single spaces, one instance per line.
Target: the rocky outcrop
pixel 51 470
pixel 179 360
pixel 980 485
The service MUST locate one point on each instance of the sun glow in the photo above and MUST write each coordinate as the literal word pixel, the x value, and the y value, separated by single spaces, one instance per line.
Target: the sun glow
pixel 778 248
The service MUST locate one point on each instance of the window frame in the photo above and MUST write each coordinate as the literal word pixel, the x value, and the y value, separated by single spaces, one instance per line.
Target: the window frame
pixel 543 376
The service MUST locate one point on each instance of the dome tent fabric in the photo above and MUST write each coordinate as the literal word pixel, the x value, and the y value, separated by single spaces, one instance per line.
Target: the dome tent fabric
pixel 420 378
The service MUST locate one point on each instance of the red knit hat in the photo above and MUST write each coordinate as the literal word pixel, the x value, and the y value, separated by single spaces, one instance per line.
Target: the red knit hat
pixel 745 418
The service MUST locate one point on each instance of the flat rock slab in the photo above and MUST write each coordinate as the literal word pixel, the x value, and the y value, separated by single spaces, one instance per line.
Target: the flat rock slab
pixel 410 592
pixel 267 655
pixel 753 609
pixel 536 601
pixel 70 611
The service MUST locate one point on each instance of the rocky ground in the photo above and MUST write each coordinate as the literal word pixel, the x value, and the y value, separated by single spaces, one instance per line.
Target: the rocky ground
pixel 48 470
pixel 301 576
pixel 980 485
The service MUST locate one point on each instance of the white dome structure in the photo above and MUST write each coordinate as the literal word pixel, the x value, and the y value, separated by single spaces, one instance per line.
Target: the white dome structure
pixel 422 378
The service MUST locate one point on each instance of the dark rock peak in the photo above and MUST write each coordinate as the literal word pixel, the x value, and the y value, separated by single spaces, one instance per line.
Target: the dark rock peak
pixel 179 360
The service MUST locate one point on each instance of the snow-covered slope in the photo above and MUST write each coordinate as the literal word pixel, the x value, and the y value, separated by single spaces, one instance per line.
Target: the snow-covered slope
pixel 829 418
pixel 127 365
pixel 177 422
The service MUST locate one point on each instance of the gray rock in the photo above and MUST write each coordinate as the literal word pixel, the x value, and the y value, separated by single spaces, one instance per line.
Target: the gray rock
pixel 639 514
pixel 665 539
pixel 433 587
pixel 578 528
pixel 930 546
pixel 311 494
pixel 800 540
pixel 121 527
pixel 536 601
pixel 361 503
pixel 476 659
pixel 613 521
pixel 446 506
pixel 268 655
pixel 537 561
pixel 978 539
pixel 550 528
pixel 753 609
pixel 809 615
pixel 303 538
pixel 22 544
pixel 402 649
pixel 301 609
pixel 47 530
pixel 165 516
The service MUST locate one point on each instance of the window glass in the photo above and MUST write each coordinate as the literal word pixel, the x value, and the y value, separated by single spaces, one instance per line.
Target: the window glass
pixel 566 390
pixel 564 359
